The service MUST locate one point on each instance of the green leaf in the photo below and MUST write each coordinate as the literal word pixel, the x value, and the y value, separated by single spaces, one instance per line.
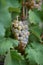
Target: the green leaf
pixel 6 44
pixel 15 42
pixel 2 30
pixel 11 59
pixel 8 32
pixel 35 30
pixel 33 17
pixel 8 60
pixel 35 53
pixel 5 16
pixel 17 10
pixel 39 13
pixel 13 3
pixel 16 55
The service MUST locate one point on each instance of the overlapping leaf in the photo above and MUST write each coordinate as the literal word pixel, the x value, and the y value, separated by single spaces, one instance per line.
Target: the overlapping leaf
pixel 5 16
pixel 2 30
pixel 35 53
pixel 14 58
pixel 33 17
pixel 35 30
pixel 6 44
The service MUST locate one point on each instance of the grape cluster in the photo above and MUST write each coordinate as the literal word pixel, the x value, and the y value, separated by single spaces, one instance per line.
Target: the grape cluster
pixel 21 33
pixel 33 4
pixel 37 4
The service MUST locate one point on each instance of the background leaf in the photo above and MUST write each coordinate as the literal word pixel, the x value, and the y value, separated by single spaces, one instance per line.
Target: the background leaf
pixel 2 30
pixel 5 16
pixel 6 44
pixel 36 33
pixel 33 17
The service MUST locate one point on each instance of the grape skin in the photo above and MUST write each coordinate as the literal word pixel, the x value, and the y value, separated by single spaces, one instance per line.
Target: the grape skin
pixel 20 29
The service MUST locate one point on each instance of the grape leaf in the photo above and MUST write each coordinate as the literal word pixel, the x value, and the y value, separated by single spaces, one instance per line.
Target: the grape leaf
pixel 5 16
pixel 2 30
pixel 33 17
pixel 8 60
pixel 35 30
pixel 14 59
pixel 18 55
pixel 35 54
pixel 13 3
pixel 6 44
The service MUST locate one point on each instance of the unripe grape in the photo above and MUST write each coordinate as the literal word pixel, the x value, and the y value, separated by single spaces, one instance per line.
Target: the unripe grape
pixel 19 27
pixel 16 30
pixel 15 24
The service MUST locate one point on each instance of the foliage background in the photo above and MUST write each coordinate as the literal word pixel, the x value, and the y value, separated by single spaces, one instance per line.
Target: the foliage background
pixel 34 50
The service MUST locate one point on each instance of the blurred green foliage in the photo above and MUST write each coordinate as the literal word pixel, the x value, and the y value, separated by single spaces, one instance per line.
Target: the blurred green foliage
pixel 9 9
